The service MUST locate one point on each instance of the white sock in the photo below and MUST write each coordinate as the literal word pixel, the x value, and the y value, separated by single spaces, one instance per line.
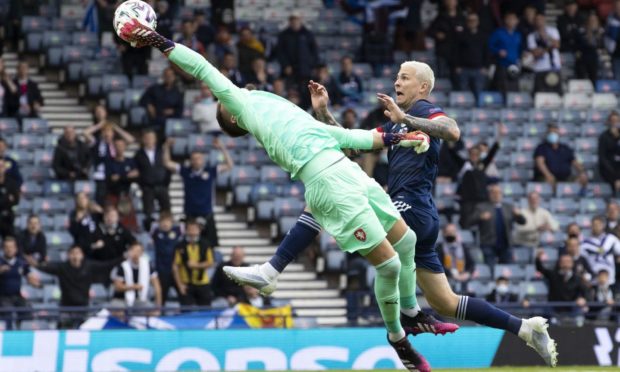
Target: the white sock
pixel 412 312
pixel 394 337
pixel 525 331
pixel 270 272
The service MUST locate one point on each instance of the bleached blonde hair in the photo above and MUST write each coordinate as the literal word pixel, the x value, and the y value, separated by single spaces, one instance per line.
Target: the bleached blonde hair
pixel 423 72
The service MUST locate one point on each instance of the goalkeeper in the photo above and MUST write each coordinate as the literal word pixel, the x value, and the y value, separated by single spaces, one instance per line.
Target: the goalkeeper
pixel 352 207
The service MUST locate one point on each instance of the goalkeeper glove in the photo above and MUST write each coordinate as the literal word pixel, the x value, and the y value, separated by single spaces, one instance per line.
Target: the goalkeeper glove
pixel 139 35
pixel 390 139
pixel 418 141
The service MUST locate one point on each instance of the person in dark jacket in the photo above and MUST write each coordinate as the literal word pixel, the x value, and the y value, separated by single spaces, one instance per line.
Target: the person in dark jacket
pixel 111 239
pixel 451 161
pixel 249 48
pixel 75 277
pixel 11 168
pixel 166 236
pixel 225 287
pixel 494 219
pixel 569 24
pixel 153 178
pixel 563 284
pixel 473 180
pixel 8 92
pixel 72 157
pixel 9 197
pixel 588 41
pixel 32 242
pixel 297 50
pixel 445 29
pixel 350 84
pixel 120 172
pixel 83 221
pixel 472 61
pixel 163 101
pixel 29 98
pixel 609 152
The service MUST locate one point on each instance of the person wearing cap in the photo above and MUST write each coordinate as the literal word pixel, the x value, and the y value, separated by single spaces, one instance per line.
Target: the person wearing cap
pixel 554 160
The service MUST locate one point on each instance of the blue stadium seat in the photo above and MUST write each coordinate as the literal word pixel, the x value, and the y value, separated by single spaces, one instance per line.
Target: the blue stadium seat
pixel 534 130
pixel 490 99
pixel 600 190
pixel 263 191
pixel 34 24
pixel 143 81
pixel 459 114
pixel 379 85
pixel 527 144
pixel 512 190
pixel 479 288
pixel 35 126
pixel 584 221
pixel 590 130
pixel 43 158
pixel 61 222
pixel 364 70
pixel 22 157
pixel 568 190
pixel 437 98
pixel 255 157
pixel 92 68
pixel 202 143
pixel 74 72
pixel 589 161
pixel 93 86
pixel 544 189
pixel 264 210
pixel 592 206
pixel 521 160
pixel 608 86
pixel 543 116
pixel 482 272
pixel 552 254
pixel 519 100
pixel 445 190
pixel 273 173
pixel 34 42
pixel 31 189
pixel 114 83
pixel 57 188
pixel 531 274
pixel 85 39
pixel 107 54
pixel 179 127
pixel 48 206
pixel 327 242
pixel 54 57
pixel 179 147
pixel 115 101
pixel 87 187
pixel 522 255
pixel 335 261
pixel 8 126
pixel 216 157
pixel 551 239
pixel 293 189
pixel 33 173
pixel 27 142
pixel 512 272
pixel 564 206
pixel 244 175
pixel 586 145
pixel 597 116
pixel 287 207
pixel 513 115
pixel 137 116
pixel 535 291
pixel 477 129
pixel 132 98
pixel 443 85
pixel 285 223
pixel 464 99
pixel 516 174
pixel 572 116
pixel 73 53
pixel 563 221
pixel 242 194
pixel 50 141
pixel 51 292
pixel 235 143
pixel 55 39
pixel 223 181
pixel 67 25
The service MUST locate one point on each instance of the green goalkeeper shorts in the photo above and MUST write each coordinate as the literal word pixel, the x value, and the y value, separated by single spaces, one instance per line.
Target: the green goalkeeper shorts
pixel 351 207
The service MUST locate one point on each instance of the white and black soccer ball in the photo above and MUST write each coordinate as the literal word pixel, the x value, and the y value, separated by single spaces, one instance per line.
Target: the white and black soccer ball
pixel 134 9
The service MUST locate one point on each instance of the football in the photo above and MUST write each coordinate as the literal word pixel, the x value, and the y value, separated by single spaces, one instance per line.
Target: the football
pixel 134 9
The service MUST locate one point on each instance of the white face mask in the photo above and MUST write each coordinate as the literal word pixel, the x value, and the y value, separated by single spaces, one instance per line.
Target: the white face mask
pixel 502 289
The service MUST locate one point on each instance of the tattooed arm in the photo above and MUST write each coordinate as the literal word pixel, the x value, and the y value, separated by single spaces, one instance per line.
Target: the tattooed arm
pixel 442 127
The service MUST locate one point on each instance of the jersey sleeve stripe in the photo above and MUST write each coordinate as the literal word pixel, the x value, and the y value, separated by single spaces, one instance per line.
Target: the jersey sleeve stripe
pixel 436 115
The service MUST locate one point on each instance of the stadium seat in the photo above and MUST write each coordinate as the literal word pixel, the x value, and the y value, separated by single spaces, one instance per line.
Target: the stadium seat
pixel 584 221
pixel 443 85
pixel 59 239
pixel 482 272
pixel 71 53
pixel 586 145
pixel 8 126
pixel 512 272
pixel 244 175
pixel 516 174
pixel 30 189
pixel 93 86
pixel 285 223
pixel 590 130
pixel 274 174
pixel 287 207
pixel 521 160
pixel 47 205
pixel 54 39
pixel 380 85
pixel 459 114
pixel 223 181
pixel 597 116
pixel 44 158
pixel 34 24
pixel 92 68
pixel 478 129
pixel 335 261
pixel 580 86
pixel 67 25
pixel 543 116
pixel 535 291
pixel 34 173
pixel 544 189
pixel 534 130
pixel 519 100
pixel 35 126
pixel 22 157
pixel 551 239
pixel 263 191
pixel 61 222
pixel 131 98
pixel 437 98
pixel 142 81
pixel 87 187
pixel 236 143
pixel 592 206
pixel 54 57
pixel 607 86
pixel 445 190
pixel 216 157
pixel 202 143
pixel 57 188
pixel 293 189
pixel 74 72
pixel 511 115
pixel 490 99
pixel 364 70
pixel 27 142
pixel 600 190
pixel 137 116
pixel 113 82
pixel 115 101
pixel 564 206
pixel 31 294
pixel 256 158
pixel 604 101
pixel 571 116
pixel 589 161
pixel 580 101
pixel 547 101
pixel 85 39
pixel 531 274
pixel 485 115
pixel 179 127
pixel 34 42
pixel 527 144
pixel 464 99
pixel 522 255
pixel 242 194
pixel 479 288
pixel 264 210
pixel 179 147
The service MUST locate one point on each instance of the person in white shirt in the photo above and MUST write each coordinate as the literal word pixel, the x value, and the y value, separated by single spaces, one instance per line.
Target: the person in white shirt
pixel 204 111
pixel 602 250
pixel 537 221
pixel 544 56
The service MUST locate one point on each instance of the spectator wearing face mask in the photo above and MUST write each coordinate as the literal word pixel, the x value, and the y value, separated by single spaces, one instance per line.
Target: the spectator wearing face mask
pixel 609 152
pixel 554 160
pixel 564 285
pixel 501 293
pixel 457 261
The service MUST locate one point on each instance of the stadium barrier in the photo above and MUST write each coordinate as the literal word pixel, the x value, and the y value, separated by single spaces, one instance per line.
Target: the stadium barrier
pixel 309 349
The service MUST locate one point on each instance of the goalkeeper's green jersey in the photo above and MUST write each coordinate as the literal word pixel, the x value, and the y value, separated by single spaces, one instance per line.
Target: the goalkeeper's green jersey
pixel 291 136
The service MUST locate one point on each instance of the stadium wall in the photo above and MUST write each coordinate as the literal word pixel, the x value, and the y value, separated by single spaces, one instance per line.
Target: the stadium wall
pixel 315 349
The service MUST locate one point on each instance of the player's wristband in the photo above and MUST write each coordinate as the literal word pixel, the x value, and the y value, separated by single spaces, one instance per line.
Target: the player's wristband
pixel 164 45
pixel 390 139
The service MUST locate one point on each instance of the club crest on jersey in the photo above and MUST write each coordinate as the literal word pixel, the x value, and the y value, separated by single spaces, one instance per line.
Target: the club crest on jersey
pixel 360 235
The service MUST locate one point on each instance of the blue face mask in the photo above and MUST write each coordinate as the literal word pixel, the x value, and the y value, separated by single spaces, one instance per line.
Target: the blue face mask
pixel 553 138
